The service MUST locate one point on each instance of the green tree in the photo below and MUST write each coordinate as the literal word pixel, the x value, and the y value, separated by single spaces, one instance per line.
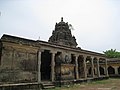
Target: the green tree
pixel 112 53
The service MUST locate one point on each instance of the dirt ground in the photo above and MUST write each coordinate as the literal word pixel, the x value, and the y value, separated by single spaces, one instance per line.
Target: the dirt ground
pixel 109 84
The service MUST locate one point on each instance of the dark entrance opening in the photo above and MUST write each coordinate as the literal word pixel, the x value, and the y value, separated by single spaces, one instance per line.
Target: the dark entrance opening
pixel 80 67
pixel 111 70
pixel 45 65
pixel 73 62
pixel 119 70
pixel 102 71
pixel 90 71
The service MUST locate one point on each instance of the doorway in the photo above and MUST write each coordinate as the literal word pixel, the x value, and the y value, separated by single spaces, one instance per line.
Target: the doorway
pixel 101 71
pixel 46 65
pixel 111 70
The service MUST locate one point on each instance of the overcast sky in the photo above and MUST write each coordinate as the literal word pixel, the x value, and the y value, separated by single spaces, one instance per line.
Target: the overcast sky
pixel 96 22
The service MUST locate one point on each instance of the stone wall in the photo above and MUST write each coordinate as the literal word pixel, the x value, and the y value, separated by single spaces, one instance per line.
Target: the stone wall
pixel 0 51
pixel 18 64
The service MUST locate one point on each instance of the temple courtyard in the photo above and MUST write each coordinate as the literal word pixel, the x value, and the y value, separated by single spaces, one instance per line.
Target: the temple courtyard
pixel 108 84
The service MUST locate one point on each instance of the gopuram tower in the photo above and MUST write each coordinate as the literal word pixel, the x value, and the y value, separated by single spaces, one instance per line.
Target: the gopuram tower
pixel 62 35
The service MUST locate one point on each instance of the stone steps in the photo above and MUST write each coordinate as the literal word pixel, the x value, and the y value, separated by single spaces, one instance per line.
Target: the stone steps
pixel 47 85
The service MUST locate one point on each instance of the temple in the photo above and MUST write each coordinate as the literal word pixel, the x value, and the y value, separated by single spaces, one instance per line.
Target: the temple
pixel 57 61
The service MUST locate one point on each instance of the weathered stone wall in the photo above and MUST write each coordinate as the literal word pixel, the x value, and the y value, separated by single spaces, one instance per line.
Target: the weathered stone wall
pixel 18 63
pixel 0 51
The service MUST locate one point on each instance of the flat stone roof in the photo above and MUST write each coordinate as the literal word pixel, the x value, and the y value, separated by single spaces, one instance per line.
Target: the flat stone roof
pixel 37 43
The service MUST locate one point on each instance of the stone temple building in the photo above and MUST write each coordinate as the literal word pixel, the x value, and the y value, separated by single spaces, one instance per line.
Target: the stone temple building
pixel 114 67
pixel 58 60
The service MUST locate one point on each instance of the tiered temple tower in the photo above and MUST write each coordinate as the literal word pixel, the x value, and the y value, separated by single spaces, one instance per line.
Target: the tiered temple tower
pixel 62 35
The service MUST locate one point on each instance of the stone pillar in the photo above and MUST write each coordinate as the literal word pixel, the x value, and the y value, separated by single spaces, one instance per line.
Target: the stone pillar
pixel 76 67
pixel 98 70
pixel 39 66
pixel 106 68
pixel 92 66
pixel 95 70
pixel 85 70
pixel 53 67
pixel 116 70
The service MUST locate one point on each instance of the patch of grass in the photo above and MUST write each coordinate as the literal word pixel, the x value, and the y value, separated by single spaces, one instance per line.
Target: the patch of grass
pixel 111 83
pixel 67 87
pixel 100 82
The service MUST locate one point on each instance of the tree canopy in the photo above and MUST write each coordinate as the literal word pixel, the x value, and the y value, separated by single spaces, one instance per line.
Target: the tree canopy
pixel 112 53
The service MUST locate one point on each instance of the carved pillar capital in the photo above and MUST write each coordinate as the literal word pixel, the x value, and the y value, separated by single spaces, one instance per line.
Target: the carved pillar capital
pixel 84 56
pixel 40 50
pixel 53 52
pixel 92 57
pixel 76 55
pixel 97 58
